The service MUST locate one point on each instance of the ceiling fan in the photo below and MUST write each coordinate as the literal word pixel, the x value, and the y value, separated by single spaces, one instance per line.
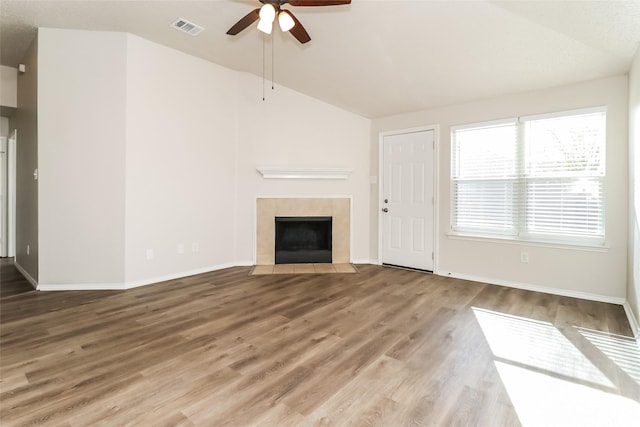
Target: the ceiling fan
pixel 286 19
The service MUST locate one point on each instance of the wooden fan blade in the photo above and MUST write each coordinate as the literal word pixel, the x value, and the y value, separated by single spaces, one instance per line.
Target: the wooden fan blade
pixel 243 23
pixel 298 30
pixel 318 2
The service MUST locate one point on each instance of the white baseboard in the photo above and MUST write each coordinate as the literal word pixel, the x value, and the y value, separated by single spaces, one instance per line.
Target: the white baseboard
pixel 182 274
pixel 635 326
pixel 365 261
pixel 148 281
pixel 244 264
pixel 46 287
pixel 536 288
pixel 26 275
pixel 135 283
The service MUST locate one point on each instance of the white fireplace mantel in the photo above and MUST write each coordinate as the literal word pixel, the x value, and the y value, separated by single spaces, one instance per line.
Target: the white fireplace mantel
pixel 303 173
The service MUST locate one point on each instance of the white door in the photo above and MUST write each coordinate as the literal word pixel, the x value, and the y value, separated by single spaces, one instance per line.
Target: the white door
pixel 407 205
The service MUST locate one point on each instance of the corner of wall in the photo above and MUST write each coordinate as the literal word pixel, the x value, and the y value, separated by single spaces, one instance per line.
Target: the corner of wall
pixel 25 121
pixel 633 257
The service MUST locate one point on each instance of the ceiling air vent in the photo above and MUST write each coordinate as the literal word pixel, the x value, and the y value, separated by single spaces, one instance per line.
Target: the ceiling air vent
pixel 187 27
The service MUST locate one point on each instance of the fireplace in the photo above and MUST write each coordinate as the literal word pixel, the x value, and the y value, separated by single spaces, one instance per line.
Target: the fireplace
pixel 305 239
pixel 336 208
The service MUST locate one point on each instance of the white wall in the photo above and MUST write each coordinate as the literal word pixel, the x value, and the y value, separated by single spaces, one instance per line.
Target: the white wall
pixel 25 121
pixel 196 133
pixel 591 274
pixel 148 157
pixel 180 175
pixel 4 126
pixel 633 276
pixel 8 86
pixel 81 156
pixel 293 130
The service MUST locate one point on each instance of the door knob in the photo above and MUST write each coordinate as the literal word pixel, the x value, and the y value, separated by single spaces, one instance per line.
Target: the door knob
pixel 385 210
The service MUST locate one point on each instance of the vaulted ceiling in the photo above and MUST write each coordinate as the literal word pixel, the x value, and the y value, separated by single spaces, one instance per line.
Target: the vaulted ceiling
pixel 373 57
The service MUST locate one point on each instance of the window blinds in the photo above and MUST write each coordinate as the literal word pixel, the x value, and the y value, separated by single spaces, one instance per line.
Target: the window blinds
pixel 537 178
pixel 564 175
pixel 485 178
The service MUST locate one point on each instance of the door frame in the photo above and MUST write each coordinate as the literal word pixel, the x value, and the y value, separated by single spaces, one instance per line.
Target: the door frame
pixel 436 194
pixel 12 173
pixel 4 175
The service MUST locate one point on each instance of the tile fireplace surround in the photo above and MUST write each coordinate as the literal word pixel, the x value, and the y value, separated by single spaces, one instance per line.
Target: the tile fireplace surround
pixel 268 208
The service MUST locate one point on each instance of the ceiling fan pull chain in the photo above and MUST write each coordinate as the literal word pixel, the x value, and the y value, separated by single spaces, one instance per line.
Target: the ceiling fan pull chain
pixel 263 65
pixel 273 48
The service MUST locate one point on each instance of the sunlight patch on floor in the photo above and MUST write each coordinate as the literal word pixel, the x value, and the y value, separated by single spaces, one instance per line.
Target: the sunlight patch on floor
pixel 543 400
pixel 537 345
pixel 623 351
pixel 550 381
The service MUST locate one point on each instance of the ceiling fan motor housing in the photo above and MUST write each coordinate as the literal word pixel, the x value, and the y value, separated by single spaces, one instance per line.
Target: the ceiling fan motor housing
pixel 286 19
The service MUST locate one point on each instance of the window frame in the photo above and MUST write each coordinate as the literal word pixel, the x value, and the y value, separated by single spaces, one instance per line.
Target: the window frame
pixel 521 234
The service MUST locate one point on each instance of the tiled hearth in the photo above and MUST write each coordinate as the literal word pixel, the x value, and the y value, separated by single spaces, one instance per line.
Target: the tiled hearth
pixel 259 270
pixel 268 208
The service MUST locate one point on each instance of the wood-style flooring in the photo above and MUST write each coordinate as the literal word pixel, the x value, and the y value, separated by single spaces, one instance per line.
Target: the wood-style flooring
pixel 11 281
pixel 381 347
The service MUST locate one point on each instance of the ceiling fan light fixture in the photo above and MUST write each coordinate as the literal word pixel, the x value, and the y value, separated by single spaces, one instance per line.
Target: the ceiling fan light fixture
pixel 267 13
pixel 286 21
pixel 265 26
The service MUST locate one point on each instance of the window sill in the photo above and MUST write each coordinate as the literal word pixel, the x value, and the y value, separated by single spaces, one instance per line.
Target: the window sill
pixel 304 173
pixel 531 243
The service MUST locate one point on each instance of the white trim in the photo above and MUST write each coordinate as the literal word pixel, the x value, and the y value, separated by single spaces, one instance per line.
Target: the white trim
pixel 487 124
pixel 351 230
pixel 180 275
pixel 12 150
pixel 82 287
pixel 303 173
pixel 381 136
pixel 536 288
pixel 578 112
pixel 136 283
pixel 521 194
pixel 436 195
pixel 3 197
pixel 522 242
pixel 26 275
pixel 247 263
pixel 436 180
pixel 633 322
pixel 365 261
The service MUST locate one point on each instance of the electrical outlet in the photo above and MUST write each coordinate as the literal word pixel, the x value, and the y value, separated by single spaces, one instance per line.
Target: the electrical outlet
pixel 524 257
pixel 149 253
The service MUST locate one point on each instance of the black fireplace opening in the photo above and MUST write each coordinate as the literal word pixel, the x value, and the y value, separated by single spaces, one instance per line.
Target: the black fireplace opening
pixel 305 239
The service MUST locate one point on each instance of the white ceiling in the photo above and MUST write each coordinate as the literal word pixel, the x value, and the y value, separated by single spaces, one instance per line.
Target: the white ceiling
pixel 374 57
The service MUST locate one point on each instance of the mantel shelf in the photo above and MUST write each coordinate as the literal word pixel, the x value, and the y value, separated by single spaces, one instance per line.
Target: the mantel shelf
pixel 303 173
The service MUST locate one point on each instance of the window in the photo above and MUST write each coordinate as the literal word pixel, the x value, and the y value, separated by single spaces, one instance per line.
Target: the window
pixel 538 178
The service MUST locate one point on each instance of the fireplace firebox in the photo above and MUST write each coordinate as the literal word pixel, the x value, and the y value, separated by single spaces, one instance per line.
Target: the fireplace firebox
pixel 304 239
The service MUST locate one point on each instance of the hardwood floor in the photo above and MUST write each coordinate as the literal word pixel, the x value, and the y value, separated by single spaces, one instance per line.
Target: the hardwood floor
pixel 381 347
pixel 11 281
